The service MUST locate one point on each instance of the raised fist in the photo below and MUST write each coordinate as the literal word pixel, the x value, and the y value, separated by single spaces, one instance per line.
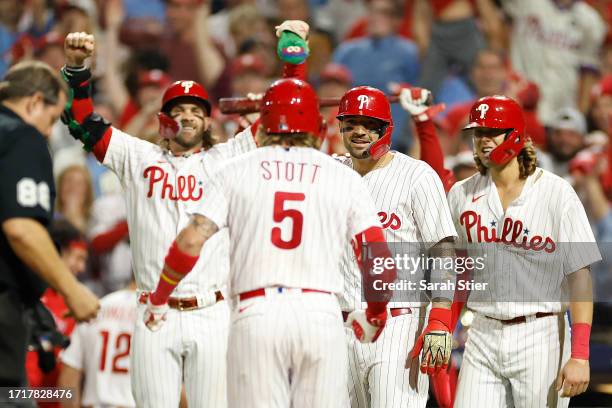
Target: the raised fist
pixel 77 48
pixel 418 102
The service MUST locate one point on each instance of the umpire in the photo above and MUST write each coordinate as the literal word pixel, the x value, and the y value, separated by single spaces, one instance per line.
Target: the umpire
pixel 32 98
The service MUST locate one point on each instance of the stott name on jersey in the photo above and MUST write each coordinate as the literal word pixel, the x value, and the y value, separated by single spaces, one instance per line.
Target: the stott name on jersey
pixel 280 170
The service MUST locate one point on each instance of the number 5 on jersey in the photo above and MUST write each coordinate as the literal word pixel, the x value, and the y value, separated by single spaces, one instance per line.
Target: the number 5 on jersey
pixel 280 213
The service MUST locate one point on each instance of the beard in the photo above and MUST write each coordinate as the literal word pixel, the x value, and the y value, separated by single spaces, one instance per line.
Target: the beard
pixel 202 138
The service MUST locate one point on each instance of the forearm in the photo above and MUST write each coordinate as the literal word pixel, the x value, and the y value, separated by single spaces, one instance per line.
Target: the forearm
pixel 581 312
pixel 114 87
pixel 581 292
pixel 32 244
pixel 443 256
pixel 182 256
pixel 70 378
pixel 209 59
pixel 84 124
pixel 597 199
pixel 431 152
pixel 588 78
pixel 421 24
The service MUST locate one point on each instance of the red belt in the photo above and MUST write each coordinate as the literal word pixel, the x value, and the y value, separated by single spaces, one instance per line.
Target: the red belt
pixel 182 303
pixel 523 319
pixel 262 292
pixel 394 312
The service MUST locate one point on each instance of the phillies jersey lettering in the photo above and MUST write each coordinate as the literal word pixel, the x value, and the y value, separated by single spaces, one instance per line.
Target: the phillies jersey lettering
pixel 412 208
pixel 187 188
pixel 524 264
pixel 159 187
pixel 294 246
pixel 512 232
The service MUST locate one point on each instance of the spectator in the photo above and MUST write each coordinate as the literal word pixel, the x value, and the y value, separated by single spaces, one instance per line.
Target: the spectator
pixel 10 14
pixel 109 237
pixel 31 100
pixel 565 140
pixel 189 47
pixel 462 165
pixel 72 248
pixel 491 77
pixel 556 43
pixel 219 25
pixel 335 80
pixel 75 196
pixel 396 60
pixel 449 40
pixel 250 34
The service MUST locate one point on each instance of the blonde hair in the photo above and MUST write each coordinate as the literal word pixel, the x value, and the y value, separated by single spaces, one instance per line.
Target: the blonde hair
pixel 527 161
pixel 89 196
pixel 289 139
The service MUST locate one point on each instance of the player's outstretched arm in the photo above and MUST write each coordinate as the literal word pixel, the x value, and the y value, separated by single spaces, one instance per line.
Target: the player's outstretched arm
pixel 369 324
pixel 575 375
pixel 180 260
pixel 84 124
pixel 418 103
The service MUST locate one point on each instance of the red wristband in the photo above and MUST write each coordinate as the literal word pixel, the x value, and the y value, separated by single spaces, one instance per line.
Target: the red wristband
pixel 441 315
pixel 581 333
pixel 179 261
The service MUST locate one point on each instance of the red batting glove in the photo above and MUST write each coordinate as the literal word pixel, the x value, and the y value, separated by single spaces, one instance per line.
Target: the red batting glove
pixel 435 342
pixel 367 325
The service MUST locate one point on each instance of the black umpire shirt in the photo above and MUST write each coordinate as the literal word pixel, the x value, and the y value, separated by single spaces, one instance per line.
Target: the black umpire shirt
pixel 26 191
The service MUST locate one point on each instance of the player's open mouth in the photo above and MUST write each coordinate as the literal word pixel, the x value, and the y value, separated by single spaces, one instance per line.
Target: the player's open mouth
pixel 486 150
pixel 360 142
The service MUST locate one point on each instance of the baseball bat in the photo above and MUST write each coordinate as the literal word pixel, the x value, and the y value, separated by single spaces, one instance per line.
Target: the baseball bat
pixel 244 105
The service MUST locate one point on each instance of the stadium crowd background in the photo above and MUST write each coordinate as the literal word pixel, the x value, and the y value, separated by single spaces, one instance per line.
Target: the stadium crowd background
pixel 460 49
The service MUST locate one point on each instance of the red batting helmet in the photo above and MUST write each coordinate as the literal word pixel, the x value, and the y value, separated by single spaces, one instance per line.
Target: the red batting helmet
pixel 500 112
pixel 370 102
pixel 181 89
pixel 291 106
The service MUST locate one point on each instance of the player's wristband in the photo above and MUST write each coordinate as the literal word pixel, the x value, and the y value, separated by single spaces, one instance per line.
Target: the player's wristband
pixel 441 315
pixel 179 261
pixel 581 333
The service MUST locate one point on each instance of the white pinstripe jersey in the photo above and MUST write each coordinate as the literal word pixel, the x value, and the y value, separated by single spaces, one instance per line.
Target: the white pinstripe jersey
pixel 547 220
pixel 290 212
pixel 412 208
pixel 159 187
pixel 100 350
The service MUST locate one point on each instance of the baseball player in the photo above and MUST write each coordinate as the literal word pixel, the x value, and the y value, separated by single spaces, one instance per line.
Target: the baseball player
pixel 160 181
pixel 98 355
pixel 286 340
pixel 518 351
pixel 412 208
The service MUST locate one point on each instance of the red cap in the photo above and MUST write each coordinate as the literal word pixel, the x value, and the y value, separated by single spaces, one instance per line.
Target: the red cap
pixel 500 112
pixel 182 89
pixel 248 63
pixel 373 103
pixel 336 72
pixel 604 87
pixel 155 77
pixel 291 106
